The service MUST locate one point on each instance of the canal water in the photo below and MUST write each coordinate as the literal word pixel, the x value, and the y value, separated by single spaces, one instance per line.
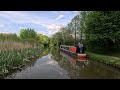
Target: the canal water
pixel 54 64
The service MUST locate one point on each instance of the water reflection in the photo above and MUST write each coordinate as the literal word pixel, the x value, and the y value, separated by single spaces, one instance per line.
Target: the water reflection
pixel 89 69
pixel 54 64
pixel 43 68
pixel 75 61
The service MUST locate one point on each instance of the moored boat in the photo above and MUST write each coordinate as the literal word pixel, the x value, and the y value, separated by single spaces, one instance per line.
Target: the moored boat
pixel 72 49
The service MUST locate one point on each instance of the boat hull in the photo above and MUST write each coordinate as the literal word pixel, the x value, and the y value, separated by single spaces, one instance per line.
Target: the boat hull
pixel 82 57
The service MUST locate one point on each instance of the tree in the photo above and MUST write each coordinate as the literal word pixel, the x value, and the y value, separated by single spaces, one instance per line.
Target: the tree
pixel 27 33
pixel 82 18
pixel 103 28
pixel 43 39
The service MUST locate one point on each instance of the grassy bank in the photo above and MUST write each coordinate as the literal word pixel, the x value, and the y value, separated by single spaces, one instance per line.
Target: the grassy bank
pixel 105 51
pixel 13 59
pixel 109 60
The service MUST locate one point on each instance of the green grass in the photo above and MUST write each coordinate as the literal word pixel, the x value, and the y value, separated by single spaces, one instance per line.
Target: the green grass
pixel 104 51
pixel 110 60
pixel 14 59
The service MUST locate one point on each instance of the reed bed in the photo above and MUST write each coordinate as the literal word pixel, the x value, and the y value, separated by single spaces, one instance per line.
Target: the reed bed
pixel 12 45
pixel 14 55
pixel 16 58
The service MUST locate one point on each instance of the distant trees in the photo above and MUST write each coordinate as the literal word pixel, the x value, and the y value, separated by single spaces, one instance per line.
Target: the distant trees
pixel 26 36
pixel 5 36
pixel 63 36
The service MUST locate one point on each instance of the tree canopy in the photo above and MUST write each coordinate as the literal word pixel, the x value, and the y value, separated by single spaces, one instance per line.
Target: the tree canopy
pixel 27 33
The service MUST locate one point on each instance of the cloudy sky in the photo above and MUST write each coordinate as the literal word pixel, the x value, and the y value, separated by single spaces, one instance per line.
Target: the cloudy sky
pixel 45 22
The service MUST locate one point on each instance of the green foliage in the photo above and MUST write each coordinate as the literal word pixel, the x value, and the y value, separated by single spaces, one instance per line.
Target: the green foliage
pixel 114 61
pixel 62 37
pixel 5 36
pixel 16 58
pixel 27 33
pixel 102 28
pixel 43 39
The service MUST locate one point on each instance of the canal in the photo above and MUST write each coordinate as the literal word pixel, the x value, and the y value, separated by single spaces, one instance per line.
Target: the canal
pixel 54 64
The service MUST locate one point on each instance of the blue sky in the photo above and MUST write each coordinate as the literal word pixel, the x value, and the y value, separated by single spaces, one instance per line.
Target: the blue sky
pixel 44 22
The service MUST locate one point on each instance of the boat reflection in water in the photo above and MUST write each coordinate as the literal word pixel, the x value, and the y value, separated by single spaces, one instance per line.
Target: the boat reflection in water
pixel 80 63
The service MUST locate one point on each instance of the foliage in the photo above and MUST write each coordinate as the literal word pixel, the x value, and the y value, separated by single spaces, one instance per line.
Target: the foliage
pixel 8 36
pixel 27 33
pixel 114 61
pixel 42 38
pixel 16 58
pixel 102 28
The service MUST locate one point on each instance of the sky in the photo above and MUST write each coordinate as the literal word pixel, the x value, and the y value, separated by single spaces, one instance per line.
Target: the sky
pixel 44 22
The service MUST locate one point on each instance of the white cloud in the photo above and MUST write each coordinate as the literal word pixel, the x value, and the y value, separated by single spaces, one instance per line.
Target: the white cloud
pixel 59 17
pixel 75 11
pixel 51 32
pixel 65 12
pixel 5 32
pixel 53 27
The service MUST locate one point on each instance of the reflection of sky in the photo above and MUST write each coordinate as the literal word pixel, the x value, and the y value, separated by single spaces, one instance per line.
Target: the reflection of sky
pixel 44 68
pixel 45 22
pixel 46 60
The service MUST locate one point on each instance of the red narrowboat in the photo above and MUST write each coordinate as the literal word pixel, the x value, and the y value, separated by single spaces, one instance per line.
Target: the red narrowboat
pixel 72 49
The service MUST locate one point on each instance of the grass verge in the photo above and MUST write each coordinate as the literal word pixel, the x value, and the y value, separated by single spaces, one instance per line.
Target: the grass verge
pixel 109 60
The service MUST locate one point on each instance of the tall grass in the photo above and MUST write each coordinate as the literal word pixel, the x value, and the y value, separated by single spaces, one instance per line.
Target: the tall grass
pixel 16 58
pixel 15 54
pixel 12 45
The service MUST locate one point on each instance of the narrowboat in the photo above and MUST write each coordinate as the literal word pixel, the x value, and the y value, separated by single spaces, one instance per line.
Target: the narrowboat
pixel 71 50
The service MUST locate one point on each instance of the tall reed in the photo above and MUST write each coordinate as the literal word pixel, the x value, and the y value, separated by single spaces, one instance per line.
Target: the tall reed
pixel 12 45
pixel 15 54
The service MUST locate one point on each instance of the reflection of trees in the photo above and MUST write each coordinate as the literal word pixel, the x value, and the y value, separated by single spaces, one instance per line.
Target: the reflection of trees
pixel 87 69
pixel 102 70
pixel 64 62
